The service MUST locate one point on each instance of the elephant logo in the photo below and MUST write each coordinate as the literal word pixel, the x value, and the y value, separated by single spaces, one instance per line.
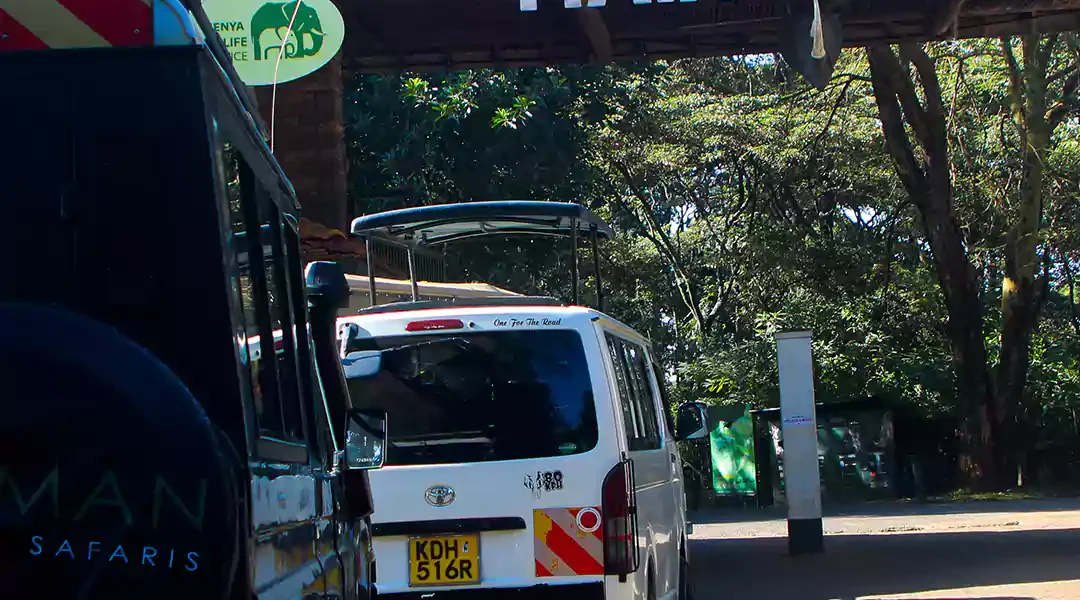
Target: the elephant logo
pixel 305 39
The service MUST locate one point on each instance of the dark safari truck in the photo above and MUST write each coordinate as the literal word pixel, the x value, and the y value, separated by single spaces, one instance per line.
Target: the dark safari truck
pixel 150 264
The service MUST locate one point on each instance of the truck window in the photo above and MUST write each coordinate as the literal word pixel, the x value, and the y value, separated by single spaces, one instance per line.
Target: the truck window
pixel 482 397
pixel 268 353
pixel 239 278
pixel 282 322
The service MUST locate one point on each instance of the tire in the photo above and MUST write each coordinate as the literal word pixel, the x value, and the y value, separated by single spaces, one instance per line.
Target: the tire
pixel 91 406
pixel 686 583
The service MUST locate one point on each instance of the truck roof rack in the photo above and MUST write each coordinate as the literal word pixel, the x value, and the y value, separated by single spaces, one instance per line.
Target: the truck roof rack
pixel 445 223
pixel 463 303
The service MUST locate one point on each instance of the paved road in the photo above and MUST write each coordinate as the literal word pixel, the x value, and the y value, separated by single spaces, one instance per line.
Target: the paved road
pixel 993 550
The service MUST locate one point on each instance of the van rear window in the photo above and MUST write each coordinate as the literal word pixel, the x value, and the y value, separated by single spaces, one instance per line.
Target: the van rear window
pixel 479 397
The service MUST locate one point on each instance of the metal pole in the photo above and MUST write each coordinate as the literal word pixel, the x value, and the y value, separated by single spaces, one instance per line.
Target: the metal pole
pixel 370 269
pixel 412 275
pixel 573 262
pixel 594 235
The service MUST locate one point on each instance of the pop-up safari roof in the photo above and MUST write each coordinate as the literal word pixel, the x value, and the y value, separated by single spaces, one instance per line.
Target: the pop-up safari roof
pixel 444 223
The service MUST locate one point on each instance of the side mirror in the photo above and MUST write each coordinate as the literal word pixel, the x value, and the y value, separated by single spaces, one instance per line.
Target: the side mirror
pixel 691 422
pixel 326 285
pixel 361 365
pixel 365 439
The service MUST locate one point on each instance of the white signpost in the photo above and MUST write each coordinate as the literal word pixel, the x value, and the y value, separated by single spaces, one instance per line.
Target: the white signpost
pixel 802 481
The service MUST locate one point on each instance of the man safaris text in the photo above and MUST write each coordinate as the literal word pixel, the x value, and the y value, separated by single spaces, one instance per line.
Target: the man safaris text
pixel 143 556
pixel 105 502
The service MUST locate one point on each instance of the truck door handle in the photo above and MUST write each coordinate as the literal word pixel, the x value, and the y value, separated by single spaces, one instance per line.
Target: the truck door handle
pixel 672 459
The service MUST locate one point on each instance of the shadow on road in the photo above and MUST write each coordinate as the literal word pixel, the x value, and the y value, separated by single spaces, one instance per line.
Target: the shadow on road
pixel 891 509
pixel 856 566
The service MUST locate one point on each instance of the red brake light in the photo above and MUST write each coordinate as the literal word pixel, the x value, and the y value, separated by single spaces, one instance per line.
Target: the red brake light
pixel 435 324
pixel 620 520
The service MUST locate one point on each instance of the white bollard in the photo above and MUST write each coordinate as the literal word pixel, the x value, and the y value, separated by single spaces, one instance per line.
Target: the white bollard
pixel 802 482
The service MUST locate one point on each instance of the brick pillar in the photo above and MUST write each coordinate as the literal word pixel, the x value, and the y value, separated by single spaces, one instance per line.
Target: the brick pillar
pixel 309 141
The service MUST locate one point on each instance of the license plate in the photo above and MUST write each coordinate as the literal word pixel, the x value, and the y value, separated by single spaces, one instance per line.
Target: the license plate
pixel 444 560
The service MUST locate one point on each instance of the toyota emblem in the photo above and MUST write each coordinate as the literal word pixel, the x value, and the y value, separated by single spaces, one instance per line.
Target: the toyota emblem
pixel 439 495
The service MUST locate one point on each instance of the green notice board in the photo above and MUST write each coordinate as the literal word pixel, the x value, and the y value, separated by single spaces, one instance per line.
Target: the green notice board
pixel 731 442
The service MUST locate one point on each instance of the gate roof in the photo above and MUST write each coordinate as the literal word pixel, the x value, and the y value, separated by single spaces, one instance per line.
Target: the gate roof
pixel 393 35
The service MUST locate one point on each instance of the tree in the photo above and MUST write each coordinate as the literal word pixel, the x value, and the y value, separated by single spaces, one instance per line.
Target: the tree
pixel 745 202
pixel 927 179
pixel 1039 102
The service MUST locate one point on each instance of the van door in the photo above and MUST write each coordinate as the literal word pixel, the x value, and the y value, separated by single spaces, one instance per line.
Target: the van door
pixel 678 486
pixel 652 460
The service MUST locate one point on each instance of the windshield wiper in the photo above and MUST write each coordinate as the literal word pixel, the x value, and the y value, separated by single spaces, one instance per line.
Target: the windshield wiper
pixel 442 442
pixel 441 439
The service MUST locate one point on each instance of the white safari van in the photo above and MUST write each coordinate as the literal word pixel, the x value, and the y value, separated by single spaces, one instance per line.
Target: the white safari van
pixel 530 450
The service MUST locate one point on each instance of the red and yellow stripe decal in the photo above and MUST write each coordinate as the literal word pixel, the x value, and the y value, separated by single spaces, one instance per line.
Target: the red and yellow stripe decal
pixel 54 24
pixel 568 541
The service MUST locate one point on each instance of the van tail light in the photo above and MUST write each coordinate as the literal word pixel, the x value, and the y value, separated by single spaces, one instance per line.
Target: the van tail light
pixel 620 520
pixel 435 325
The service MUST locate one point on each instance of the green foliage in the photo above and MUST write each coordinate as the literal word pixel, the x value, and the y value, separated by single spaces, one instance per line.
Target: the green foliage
pixel 745 204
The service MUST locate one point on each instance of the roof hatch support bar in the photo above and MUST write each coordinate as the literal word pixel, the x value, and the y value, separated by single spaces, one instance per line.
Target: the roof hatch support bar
pixel 573 262
pixel 412 274
pixel 593 235
pixel 368 247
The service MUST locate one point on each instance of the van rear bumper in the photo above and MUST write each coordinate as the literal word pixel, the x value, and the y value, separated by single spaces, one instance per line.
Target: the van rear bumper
pixel 583 591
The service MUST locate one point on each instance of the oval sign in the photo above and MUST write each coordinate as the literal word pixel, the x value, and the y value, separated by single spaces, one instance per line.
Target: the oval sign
pixel 256 32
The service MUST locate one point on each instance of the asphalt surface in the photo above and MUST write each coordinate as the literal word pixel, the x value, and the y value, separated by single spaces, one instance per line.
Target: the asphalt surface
pixel 990 550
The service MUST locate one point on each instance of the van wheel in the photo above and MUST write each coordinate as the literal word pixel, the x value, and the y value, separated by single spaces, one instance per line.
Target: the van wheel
pixel 686 584
pixel 650 585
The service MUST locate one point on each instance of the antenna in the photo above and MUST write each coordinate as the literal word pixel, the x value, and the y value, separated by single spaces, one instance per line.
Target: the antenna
pixel 277 65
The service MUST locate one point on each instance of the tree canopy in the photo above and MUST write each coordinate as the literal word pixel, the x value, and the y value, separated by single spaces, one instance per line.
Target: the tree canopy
pixel 919 214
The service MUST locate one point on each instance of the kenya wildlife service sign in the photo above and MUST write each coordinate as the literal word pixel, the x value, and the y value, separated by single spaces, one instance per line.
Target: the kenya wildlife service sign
pixel 256 33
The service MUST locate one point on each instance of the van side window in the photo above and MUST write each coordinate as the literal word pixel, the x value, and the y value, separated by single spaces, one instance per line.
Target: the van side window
pixel 665 400
pixel 630 418
pixel 637 363
pixel 635 394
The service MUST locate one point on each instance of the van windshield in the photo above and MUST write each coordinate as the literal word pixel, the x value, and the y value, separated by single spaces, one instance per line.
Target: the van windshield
pixel 479 397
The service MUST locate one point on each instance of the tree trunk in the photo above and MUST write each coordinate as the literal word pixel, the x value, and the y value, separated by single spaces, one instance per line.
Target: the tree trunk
pixel 1020 302
pixel 929 186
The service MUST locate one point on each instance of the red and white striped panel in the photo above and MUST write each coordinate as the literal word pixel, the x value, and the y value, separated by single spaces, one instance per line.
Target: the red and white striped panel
pixel 54 24
pixel 568 541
